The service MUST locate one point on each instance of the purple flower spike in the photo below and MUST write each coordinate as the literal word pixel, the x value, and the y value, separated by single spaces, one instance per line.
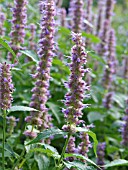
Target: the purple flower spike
pixel 6 86
pixel 110 69
pixel 76 15
pixel 101 154
pixel 2 19
pixel 46 52
pixel 19 21
pixel 11 121
pixel 33 33
pixel 76 84
pixel 125 128
pixel 71 148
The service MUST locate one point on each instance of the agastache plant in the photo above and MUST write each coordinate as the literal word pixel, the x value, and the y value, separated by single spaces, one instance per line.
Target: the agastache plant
pixel 46 53
pixel 124 129
pixel 32 28
pixel 19 21
pixel 6 89
pixel 101 16
pixel 101 154
pixel 76 13
pixel 2 19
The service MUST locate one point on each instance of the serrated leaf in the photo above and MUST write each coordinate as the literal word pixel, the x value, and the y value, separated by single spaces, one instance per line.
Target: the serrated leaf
pixel 21 108
pixel 30 54
pixel 54 110
pixel 92 134
pixel 5 45
pixel 118 162
pixel 75 164
pixel 66 155
pixel 46 134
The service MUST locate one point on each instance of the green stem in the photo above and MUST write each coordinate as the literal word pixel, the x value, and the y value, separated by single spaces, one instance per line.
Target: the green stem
pixel 4 137
pixel 18 160
pixel 64 149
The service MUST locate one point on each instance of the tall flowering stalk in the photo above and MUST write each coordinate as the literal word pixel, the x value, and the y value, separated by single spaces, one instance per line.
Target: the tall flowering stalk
pixel 125 67
pixel 101 16
pixel 88 17
pixel 76 14
pixel 125 128
pixel 33 33
pixel 6 89
pixel 2 19
pixel 63 17
pixel 110 69
pixel 46 52
pixel 101 154
pixel 19 21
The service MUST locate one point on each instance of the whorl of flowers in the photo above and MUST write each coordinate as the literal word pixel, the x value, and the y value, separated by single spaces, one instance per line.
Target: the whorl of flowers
pixel 102 48
pixel 11 121
pixel 33 33
pixel 6 86
pixel 76 13
pixel 2 19
pixel 71 147
pixel 77 86
pixel 101 154
pixel 101 15
pixel 19 21
pixel 109 9
pixel 63 17
pixel 125 128
pixel 110 69
pixel 46 52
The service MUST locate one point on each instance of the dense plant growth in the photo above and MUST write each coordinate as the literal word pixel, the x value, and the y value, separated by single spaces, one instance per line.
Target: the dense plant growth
pixel 63 85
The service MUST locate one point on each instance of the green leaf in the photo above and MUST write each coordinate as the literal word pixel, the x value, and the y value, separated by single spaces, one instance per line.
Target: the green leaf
pixel 118 162
pixel 92 134
pixel 93 38
pixel 98 58
pixel 66 155
pixel 5 45
pixel 46 134
pixel 88 23
pixel 93 116
pixel 22 108
pixel 30 54
pixel 75 164
pixel 55 110
pixel 42 161
pixel 64 31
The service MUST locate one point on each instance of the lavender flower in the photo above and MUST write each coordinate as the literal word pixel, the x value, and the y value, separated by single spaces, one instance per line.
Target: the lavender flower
pixel 76 14
pixel 84 146
pixel 107 101
pixel 18 26
pixel 71 148
pixel 125 128
pixel 2 19
pixel 101 16
pixel 110 69
pixel 6 86
pixel 33 32
pixel 11 121
pixel 63 17
pixel 88 17
pixel 109 9
pixel 101 154
pixel 76 84
pixel 46 52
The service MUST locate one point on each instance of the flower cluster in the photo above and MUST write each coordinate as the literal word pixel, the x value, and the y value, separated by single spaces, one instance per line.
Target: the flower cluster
pixel 46 52
pixel 76 13
pixel 33 32
pixel 76 84
pixel 71 148
pixel 101 15
pixel 101 154
pixel 63 17
pixel 110 69
pixel 18 26
pixel 11 121
pixel 6 86
pixel 125 128
pixel 2 19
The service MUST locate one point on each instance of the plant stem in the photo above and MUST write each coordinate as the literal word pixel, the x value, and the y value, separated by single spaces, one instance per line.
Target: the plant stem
pixel 64 149
pixel 18 160
pixel 4 136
